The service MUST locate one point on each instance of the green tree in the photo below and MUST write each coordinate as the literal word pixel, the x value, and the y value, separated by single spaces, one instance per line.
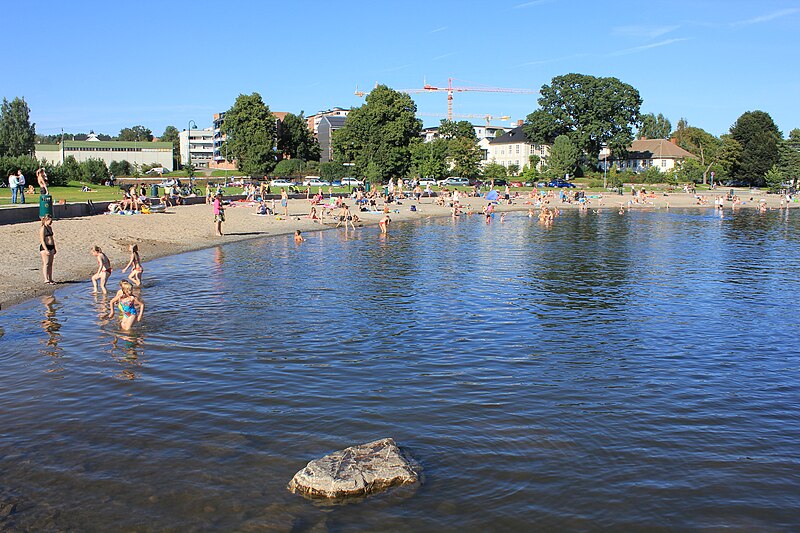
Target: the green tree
pixel 494 171
pixel 774 178
pixel 700 143
pixel 289 167
pixel 93 170
pixel 759 137
pixel 654 127
pixel 136 133
pixel 378 135
pixel 563 158
pixel 729 154
pixel 170 135
pixel 513 169
pixel 332 170
pixel 295 141
pixel 790 156
pixel 455 130
pixel 591 111
pixel 17 134
pixel 119 168
pixel 429 160
pixel 71 169
pixel 464 157
pixel 249 128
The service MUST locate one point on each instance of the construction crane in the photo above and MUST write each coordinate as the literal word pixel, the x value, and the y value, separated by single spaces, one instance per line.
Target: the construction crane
pixel 488 118
pixel 450 89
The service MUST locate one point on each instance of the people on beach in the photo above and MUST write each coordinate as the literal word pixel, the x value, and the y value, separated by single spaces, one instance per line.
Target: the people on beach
pixel 345 217
pixel 285 202
pixel 47 248
pixel 41 178
pixel 13 184
pixel 135 264
pixel 103 270
pixel 219 214
pixel 21 186
pixel 298 237
pixel 130 307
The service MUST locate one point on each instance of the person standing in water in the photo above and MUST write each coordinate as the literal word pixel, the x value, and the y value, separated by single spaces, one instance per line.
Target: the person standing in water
pixel 103 270
pixel 47 248
pixel 384 223
pixel 135 264
pixel 130 307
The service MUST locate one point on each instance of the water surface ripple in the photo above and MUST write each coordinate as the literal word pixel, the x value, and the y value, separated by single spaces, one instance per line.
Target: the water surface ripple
pixel 632 372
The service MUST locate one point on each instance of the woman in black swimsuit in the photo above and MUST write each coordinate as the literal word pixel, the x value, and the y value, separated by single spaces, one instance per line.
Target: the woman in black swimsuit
pixel 47 249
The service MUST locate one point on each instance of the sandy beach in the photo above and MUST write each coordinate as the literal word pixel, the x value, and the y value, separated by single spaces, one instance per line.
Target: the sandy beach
pixel 187 228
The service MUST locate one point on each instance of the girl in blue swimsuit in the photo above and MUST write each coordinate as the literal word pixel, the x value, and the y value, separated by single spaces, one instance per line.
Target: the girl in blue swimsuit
pixel 130 307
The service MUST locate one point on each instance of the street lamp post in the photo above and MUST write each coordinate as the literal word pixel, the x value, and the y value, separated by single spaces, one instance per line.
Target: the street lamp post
pixel 349 183
pixel 189 142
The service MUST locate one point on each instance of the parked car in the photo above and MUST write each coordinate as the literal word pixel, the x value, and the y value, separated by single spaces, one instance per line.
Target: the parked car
pixel 427 181
pixel 315 181
pixel 157 170
pixel 351 182
pixel 454 181
pixel 280 182
pixel 559 182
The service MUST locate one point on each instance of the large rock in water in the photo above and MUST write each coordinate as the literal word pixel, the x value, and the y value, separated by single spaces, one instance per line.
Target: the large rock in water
pixel 356 471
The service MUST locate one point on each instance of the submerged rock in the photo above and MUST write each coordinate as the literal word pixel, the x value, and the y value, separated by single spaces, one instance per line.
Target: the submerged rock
pixel 356 471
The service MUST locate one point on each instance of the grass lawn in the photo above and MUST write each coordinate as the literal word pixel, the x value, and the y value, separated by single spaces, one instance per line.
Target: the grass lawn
pixel 73 193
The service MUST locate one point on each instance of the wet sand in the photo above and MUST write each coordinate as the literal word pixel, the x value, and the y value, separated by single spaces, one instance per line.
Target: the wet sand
pixel 187 228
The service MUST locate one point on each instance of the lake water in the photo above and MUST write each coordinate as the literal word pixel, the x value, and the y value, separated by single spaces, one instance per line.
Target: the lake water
pixel 629 372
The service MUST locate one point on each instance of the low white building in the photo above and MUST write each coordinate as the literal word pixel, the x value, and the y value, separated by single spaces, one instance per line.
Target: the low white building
pixel 141 153
pixel 514 148
pixel 199 145
pixel 645 153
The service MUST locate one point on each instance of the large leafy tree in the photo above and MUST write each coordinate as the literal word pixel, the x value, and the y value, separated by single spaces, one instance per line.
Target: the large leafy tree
pixel 759 136
pixel 17 134
pixel 135 133
pixel 295 141
pixel 464 157
pixel 789 149
pixel 377 136
pixel 455 130
pixel 249 129
pixel 700 143
pixel 654 126
pixel 564 157
pixel 591 111
pixel 170 135
pixel 429 159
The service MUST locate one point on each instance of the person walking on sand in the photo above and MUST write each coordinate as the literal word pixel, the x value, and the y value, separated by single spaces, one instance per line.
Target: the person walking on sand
pixel 47 249
pixel 130 307
pixel 285 203
pixel 103 270
pixel 219 214
pixel 135 264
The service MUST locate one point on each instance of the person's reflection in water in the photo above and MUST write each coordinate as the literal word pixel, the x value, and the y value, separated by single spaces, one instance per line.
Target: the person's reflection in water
pixel 51 327
pixel 127 349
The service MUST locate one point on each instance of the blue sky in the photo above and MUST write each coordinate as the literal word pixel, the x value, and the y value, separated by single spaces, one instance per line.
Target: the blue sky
pixel 103 66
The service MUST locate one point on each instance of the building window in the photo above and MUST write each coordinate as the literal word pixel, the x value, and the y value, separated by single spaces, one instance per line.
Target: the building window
pixel 664 163
pixel 517 149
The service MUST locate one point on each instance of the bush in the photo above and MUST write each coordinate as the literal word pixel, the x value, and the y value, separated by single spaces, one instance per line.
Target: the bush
pixel 652 175
pixel 94 170
pixel 288 167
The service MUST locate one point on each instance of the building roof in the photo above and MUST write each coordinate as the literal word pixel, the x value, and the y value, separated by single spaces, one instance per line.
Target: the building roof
pixel 656 149
pixel 334 121
pixel 47 147
pixel 118 144
pixel 515 136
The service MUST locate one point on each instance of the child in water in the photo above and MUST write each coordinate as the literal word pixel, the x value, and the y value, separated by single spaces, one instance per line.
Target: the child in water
pixel 135 264
pixel 130 307
pixel 298 237
pixel 103 270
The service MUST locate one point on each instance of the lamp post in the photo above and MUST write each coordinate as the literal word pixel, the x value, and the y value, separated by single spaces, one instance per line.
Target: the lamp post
pixel 189 142
pixel 349 182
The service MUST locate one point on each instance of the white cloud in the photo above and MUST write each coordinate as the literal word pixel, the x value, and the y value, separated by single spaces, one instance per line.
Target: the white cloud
pixel 532 3
pixel 647 47
pixel 437 30
pixel 767 17
pixel 643 32
pixel 442 56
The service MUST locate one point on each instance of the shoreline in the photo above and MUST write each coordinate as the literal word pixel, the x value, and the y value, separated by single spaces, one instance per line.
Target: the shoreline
pixel 189 228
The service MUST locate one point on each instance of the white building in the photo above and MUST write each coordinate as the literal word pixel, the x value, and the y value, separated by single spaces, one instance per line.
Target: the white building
pixel 514 148
pixel 313 121
pixel 199 145
pixel 134 152
pixel 645 153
